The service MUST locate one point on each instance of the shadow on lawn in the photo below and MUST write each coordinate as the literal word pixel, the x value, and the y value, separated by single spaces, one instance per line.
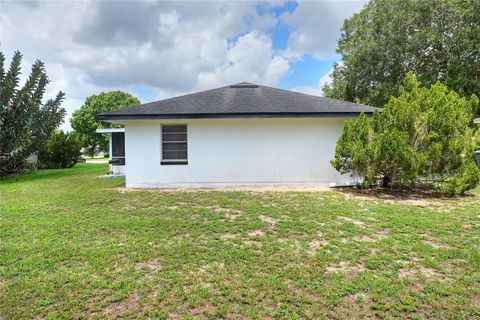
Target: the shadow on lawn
pixel 402 194
pixel 55 173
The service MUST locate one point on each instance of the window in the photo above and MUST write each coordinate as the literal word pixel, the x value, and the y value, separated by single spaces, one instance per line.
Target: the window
pixel 118 147
pixel 174 144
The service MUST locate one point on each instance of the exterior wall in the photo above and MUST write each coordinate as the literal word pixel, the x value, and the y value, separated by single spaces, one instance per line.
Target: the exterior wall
pixel 229 152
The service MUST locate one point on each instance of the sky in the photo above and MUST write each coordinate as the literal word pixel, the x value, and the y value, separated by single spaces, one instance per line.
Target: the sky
pixel 161 49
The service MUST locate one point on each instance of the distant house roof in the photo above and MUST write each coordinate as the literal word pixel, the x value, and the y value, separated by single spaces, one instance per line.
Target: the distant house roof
pixel 242 100
pixel 477 120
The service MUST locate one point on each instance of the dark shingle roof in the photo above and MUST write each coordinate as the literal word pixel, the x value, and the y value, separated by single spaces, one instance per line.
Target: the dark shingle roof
pixel 240 100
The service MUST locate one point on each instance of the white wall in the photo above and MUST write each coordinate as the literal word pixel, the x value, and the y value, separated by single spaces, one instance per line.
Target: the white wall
pixel 236 152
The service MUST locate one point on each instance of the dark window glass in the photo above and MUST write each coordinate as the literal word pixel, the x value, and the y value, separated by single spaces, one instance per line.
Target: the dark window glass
pixel 174 143
pixel 118 144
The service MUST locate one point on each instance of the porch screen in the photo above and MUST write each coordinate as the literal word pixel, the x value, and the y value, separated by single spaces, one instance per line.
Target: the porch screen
pixel 118 144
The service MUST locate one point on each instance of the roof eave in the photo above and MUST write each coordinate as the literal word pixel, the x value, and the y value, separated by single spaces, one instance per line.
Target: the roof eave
pixel 107 117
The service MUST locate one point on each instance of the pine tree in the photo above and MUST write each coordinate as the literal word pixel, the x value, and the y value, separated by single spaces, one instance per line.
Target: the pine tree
pixel 423 138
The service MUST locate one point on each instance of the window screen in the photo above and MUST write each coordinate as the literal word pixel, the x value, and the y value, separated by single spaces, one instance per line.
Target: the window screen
pixel 118 144
pixel 174 144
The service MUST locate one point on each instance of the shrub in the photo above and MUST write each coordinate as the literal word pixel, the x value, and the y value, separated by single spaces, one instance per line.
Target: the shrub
pixel 62 151
pixel 423 137
pixel 352 152
pixel 463 181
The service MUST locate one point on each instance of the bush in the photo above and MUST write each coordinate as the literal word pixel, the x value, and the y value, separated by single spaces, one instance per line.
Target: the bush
pixel 423 138
pixel 462 181
pixel 62 151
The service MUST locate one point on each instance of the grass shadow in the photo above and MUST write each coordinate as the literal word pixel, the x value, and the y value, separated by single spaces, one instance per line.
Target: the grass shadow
pixel 402 194
pixel 55 173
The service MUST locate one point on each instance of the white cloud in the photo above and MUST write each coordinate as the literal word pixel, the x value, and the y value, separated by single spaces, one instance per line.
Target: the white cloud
pixel 169 47
pixel 174 47
pixel 251 58
pixel 317 26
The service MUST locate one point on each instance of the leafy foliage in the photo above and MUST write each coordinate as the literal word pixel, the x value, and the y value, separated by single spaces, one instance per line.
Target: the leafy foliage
pixel 436 39
pixel 25 122
pixel 354 147
pixel 422 137
pixel 84 123
pixel 61 151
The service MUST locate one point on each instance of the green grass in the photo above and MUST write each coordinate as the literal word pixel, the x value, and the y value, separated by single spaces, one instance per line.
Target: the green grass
pixel 76 246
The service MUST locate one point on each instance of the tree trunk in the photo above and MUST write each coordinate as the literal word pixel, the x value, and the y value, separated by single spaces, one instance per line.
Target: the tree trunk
pixel 92 152
pixel 386 181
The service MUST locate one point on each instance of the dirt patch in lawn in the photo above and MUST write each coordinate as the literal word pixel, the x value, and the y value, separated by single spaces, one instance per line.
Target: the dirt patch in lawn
pixel 411 273
pixel 344 267
pixel 256 233
pixel 217 208
pixel 209 269
pixel 380 235
pixel 202 312
pixel 406 273
pixel 149 265
pixel 230 213
pixel 228 236
pixel 253 243
pixel 116 309
pixel 314 245
pixel 476 301
pixel 436 245
pixel 356 306
pixel 272 222
pixel 354 221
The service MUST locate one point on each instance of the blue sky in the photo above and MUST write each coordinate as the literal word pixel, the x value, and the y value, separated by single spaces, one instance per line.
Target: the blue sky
pixel 157 50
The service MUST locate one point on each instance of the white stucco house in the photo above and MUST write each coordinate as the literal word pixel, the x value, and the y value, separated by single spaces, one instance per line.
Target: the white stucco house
pixel 237 135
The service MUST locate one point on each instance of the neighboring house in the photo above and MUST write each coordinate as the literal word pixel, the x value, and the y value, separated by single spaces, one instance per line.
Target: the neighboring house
pixel 32 158
pixel 116 150
pixel 243 134
pixel 477 120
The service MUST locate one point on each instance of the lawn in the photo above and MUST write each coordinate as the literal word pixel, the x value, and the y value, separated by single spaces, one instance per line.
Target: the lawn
pixel 76 246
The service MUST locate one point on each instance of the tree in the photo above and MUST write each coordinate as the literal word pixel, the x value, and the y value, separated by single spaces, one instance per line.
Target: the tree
pixel 423 137
pixel 352 152
pixel 84 123
pixel 62 150
pixel 436 39
pixel 25 122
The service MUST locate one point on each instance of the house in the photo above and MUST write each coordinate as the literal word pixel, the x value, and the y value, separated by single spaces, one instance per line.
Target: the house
pixel 237 135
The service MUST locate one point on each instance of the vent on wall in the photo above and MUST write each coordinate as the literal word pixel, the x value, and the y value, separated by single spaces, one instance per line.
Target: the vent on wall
pixel 244 85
